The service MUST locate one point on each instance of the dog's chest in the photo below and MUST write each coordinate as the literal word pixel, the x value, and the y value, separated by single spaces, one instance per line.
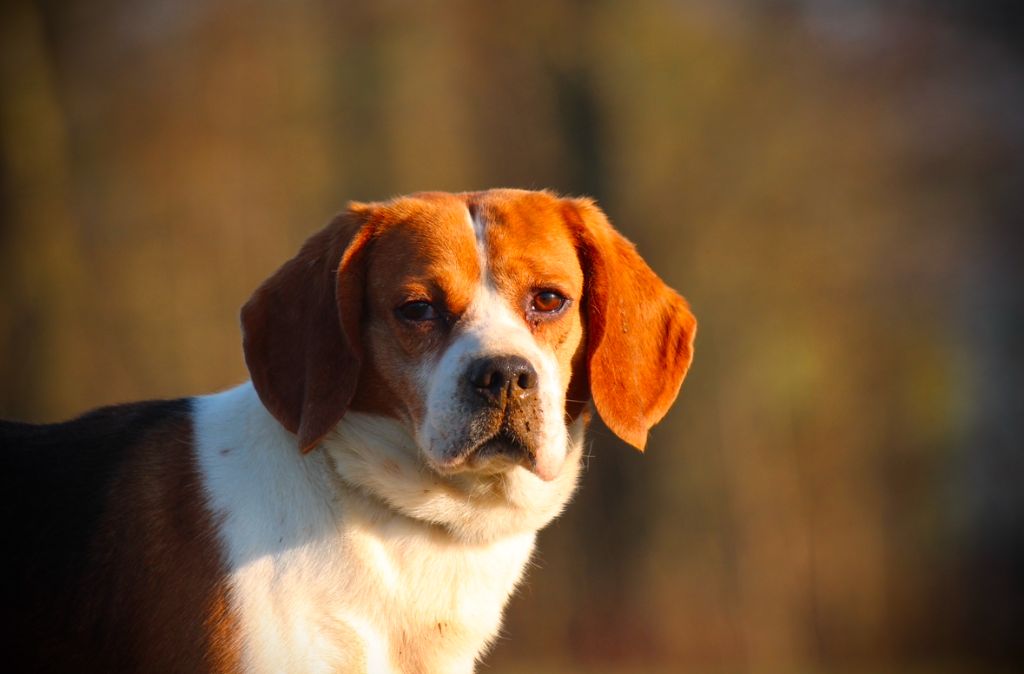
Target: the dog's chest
pixel 380 599
pixel 322 580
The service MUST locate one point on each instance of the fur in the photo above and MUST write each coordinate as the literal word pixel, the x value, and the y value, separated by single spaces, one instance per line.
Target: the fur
pixel 355 557
pixel 369 501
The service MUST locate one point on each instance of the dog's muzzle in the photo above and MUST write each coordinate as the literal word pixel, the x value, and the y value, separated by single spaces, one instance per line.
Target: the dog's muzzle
pixel 503 393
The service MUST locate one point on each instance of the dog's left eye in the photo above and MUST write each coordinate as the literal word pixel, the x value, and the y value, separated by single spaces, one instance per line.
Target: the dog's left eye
pixel 548 302
pixel 417 311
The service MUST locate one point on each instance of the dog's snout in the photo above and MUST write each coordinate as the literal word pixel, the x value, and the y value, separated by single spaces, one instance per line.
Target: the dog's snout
pixel 496 377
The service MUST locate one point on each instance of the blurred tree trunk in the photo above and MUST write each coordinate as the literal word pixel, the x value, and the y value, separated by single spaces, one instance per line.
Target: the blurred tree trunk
pixel 40 266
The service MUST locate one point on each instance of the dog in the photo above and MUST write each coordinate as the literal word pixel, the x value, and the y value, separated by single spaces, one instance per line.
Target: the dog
pixel 422 373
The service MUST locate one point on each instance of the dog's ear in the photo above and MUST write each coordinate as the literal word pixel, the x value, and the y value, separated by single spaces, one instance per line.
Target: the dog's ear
pixel 639 331
pixel 301 329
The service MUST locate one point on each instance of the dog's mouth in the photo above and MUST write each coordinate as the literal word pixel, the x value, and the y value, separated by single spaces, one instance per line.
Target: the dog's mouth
pixel 502 450
pixel 505 442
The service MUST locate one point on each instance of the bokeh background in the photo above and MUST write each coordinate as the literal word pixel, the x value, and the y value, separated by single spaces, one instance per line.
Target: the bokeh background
pixel 837 187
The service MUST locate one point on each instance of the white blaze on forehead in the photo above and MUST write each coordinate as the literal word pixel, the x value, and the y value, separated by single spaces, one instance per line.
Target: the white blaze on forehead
pixel 480 235
pixel 491 326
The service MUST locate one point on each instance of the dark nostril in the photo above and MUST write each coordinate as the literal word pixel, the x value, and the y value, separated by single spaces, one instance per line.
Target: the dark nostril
pixel 495 375
pixel 481 377
pixel 527 379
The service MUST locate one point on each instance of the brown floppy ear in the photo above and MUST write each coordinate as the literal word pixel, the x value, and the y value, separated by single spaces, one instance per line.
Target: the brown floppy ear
pixel 300 330
pixel 639 331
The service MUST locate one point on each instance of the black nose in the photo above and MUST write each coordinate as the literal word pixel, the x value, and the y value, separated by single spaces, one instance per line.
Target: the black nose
pixel 497 377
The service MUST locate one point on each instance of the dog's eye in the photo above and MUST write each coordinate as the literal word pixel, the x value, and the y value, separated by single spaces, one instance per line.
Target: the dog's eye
pixel 417 311
pixel 547 302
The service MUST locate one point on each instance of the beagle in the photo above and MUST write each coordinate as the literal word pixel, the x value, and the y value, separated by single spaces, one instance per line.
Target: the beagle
pixel 421 375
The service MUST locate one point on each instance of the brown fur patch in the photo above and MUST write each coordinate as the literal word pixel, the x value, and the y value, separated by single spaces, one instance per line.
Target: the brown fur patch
pixel 640 332
pixel 423 249
pixel 301 331
pixel 120 570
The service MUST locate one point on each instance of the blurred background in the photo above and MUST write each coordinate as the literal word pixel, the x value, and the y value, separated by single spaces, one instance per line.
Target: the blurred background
pixel 836 186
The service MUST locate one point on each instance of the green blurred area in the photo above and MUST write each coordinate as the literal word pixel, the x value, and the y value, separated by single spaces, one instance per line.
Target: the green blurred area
pixel 835 186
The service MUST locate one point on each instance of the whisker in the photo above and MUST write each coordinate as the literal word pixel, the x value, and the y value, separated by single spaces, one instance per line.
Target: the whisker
pixel 587 456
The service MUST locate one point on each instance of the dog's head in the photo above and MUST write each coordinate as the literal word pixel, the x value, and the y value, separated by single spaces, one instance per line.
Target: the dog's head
pixel 483 322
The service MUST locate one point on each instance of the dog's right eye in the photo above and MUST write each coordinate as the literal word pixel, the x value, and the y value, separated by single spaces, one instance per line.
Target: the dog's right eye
pixel 417 311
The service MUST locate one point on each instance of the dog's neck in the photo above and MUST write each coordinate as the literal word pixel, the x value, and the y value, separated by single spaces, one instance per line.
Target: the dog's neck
pixel 243 447
pixel 377 456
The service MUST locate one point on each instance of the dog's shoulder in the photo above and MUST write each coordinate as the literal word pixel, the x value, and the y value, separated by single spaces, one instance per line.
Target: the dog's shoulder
pixel 62 474
pixel 107 522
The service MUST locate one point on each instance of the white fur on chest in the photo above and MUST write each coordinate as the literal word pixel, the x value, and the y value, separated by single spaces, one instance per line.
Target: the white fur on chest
pixel 345 559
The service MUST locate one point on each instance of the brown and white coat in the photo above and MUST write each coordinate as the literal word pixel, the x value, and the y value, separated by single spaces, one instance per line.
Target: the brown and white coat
pixel 421 373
